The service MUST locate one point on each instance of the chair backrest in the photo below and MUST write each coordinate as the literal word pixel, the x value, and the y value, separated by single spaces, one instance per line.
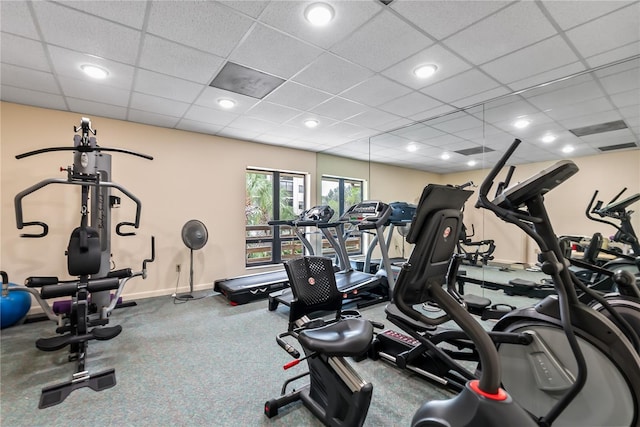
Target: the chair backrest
pixel 313 283
pixel 435 231
pixel 83 253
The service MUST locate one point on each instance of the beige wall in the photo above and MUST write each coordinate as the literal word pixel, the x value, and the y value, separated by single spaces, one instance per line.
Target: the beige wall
pixel 192 176
pixel 202 176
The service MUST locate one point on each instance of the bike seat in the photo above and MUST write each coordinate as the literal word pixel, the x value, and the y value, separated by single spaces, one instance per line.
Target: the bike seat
pixel 347 338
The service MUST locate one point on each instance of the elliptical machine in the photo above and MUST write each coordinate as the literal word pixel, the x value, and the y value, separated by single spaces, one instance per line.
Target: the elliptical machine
pixel 88 257
pixel 580 369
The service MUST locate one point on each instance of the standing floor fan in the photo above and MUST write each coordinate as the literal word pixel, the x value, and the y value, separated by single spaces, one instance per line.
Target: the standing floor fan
pixel 194 236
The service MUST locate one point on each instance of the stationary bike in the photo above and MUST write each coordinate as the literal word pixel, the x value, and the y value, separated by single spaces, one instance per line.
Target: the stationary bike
pixel 336 394
pixel 580 368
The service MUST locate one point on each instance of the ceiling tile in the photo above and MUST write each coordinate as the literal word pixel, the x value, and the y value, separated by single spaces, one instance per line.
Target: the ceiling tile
pixel 32 97
pixel 108 40
pixel 179 61
pixel 28 79
pixel 608 32
pixel 612 55
pixel 412 103
pixel 129 13
pixel 149 103
pixel 200 127
pixel 510 29
pixel 152 118
pixel 547 76
pixel 252 8
pixel 252 123
pixel 480 97
pixel 207 26
pixel 23 52
pixel 372 118
pixel 448 65
pixel 468 83
pixel 589 106
pixel 418 132
pixel 338 108
pixel 375 91
pixel 165 86
pixel 332 74
pixel 15 18
pixel 382 42
pixel 571 95
pixel 348 15
pixel 434 112
pixel 67 63
pixel 273 52
pixel 242 134
pixel 625 99
pixel 540 57
pixel 95 92
pixel 86 107
pixel 297 96
pixel 621 82
pixel 207 115
pixel 273 112
pixel 568 14
pixel 210 96
pixel 619 136
pixel 443 18
pixel 590 119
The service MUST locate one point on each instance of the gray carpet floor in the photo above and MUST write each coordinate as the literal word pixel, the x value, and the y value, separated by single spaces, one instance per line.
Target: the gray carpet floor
pixel 190 364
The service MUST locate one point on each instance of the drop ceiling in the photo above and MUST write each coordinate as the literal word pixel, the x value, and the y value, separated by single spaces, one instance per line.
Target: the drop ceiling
pixel 354 75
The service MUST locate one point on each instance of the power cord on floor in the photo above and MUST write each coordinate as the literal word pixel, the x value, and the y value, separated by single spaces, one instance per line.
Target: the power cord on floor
pixel 181 299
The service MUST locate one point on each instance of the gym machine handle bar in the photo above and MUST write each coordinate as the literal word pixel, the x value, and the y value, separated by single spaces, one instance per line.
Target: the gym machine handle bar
pixel 45 229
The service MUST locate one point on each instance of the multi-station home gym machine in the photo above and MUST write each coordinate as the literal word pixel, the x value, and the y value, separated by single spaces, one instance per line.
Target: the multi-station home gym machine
pixel 85 317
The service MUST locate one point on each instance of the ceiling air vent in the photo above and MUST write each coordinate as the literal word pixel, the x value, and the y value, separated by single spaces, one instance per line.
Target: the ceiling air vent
pixel 245 81
pixel 474 150
pixel 618 146
pixel 602 127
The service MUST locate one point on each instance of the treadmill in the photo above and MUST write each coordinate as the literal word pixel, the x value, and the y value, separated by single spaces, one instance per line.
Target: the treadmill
pixel 402 214
pixel 252 287
pixel 365 288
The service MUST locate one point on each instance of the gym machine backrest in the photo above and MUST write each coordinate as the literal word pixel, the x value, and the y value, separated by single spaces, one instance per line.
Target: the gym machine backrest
pixel 434 231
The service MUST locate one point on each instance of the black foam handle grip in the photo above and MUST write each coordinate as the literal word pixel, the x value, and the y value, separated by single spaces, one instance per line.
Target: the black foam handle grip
pixel 120 274
pixel 59 290
pixel 36 282
pixel 106 284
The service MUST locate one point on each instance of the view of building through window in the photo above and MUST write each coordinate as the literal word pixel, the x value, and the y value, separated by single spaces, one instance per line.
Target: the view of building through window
pixel 272 195
pixel 341 194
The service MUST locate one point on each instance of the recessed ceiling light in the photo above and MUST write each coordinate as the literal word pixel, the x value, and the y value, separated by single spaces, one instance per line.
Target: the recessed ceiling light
pixel 567 149
pixel 471 163
pixel 311 123
pixel 226 103
pixel 521 123
pixel 94 71
pixel 445 156
pixel 424 71
pixel 412 148
pixel 319 14
pixel 548 139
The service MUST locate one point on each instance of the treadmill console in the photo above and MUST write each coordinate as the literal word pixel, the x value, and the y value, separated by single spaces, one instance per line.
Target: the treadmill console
pixel 369 212
pixel 401 213
pixel 322 213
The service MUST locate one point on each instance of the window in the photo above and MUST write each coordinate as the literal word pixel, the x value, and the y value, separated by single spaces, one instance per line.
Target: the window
pixel 341 194
pixel 270 196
